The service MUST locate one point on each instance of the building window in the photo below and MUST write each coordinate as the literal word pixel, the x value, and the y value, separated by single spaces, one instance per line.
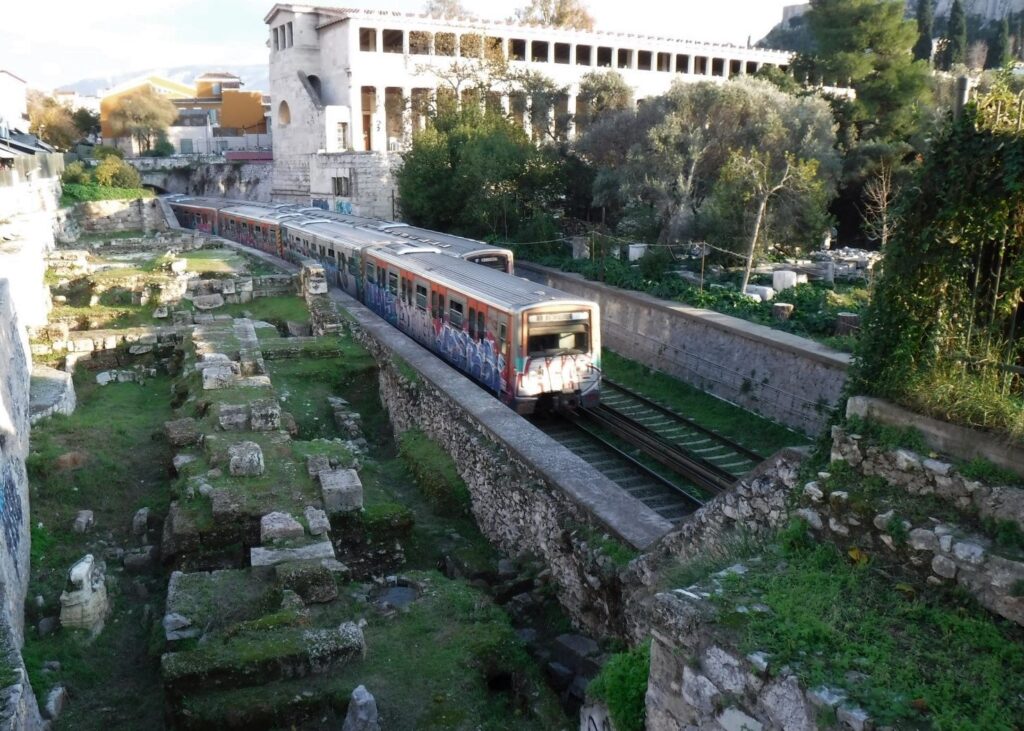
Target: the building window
pixel 368 39
pixel 562 52
pixel 273 33
pixel 735 67
pixel 419 43
pixel 471 45
pixel 664 62
pixel 342 186
pixel 284 115
pixel 751 67
pixel 539 51
pixel 718 67
pixel 604 57
pixel 391 40
pixel 643 60
pixel 342 131
pixel 516 49
pixel 625 59
pixel 700 65
pixel 288 28
pixel 444 44
pixel 583 56
pixel 682 63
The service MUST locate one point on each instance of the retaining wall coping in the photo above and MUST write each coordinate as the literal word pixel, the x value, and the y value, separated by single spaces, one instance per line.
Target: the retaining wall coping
pixel 622 514
pixel 952 439
pixel 803 347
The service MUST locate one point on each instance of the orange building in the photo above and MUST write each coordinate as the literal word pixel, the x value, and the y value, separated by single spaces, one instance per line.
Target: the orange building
pixel 215 115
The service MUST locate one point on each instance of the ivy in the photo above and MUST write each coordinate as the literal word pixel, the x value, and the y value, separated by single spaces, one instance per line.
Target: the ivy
pixel 945 330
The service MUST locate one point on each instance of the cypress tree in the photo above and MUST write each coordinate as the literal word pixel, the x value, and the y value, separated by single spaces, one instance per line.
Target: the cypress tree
pixel 999 46
pixel 956 37
pixel 925 21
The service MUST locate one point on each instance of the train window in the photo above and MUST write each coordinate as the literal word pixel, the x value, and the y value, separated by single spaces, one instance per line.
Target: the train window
pixel 440 305
pixel 472 323
pixel 455 314
pixel 481 329
pixel 382 276
pixel 259 230
pixel 392 283
pixel 502 334
pixel 421 297
pixel 566 339
pixel 353 265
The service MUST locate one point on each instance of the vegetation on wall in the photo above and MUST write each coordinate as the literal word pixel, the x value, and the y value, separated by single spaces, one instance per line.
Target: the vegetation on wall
pixel 945 332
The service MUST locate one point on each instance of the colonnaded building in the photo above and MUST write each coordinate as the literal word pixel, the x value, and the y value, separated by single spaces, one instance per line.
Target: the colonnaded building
pixel 348 87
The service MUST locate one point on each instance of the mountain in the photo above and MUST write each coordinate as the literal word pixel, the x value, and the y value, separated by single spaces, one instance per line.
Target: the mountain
pixel 255 77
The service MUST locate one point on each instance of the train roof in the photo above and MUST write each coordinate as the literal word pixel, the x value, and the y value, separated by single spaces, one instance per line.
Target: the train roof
pixel 332 229
pixel 473 280
pixel 344 224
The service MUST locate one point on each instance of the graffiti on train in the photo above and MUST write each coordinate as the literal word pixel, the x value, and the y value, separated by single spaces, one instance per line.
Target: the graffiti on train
pixel 479 358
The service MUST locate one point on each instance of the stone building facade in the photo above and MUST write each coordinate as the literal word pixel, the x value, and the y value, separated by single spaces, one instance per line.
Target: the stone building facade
pixel 348 87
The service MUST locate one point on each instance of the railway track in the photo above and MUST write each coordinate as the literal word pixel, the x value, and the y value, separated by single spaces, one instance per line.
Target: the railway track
pixel 709 460
pixel 669 500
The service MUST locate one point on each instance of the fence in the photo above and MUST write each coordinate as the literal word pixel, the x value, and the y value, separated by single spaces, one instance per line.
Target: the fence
pixel 28 167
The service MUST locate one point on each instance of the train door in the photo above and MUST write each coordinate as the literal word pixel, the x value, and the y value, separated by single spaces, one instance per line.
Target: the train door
pixel 422 327
pixel 499 368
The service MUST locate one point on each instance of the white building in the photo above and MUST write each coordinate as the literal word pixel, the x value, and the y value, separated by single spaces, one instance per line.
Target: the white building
pixel 347 86
pixel 13 102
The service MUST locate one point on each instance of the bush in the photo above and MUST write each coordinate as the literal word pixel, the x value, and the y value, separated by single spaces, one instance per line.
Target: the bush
pixel 76 172
pixel 114 172
pixel 622 685
pixel 101 152
pixel 163 148
pixel 76 192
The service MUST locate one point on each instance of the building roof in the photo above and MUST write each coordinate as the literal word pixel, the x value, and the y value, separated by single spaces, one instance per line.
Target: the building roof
pixel 216 75
pixel 336 14
pixel 152 80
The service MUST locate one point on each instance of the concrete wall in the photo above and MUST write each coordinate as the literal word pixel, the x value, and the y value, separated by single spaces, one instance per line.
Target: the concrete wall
pixel 374 191
pixel 243 181
pixel 788 379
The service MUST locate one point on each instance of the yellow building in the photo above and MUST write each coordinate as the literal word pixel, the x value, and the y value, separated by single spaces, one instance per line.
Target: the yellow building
pixel 214 115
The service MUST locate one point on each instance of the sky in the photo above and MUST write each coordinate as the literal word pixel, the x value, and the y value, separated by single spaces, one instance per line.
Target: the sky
pixel 53 42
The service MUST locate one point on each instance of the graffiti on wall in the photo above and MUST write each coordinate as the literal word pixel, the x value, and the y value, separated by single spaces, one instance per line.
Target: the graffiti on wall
pixel 11 513
pixel 320 203
pixel 343 207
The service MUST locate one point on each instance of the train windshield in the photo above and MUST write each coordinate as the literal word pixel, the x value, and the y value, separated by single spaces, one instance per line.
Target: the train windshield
pixel 558 333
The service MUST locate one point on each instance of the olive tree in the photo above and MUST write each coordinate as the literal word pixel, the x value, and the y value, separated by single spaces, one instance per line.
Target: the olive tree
pixel 142 115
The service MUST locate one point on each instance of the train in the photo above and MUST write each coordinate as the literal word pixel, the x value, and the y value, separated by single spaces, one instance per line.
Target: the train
pixel 533 347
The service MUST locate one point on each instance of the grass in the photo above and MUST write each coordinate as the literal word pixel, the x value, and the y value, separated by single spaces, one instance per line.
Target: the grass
pixel 752 431
pixel 112 236
pixel 114 682
pixel 434 471
pixel 622 685
pixel 889 437
pixel 931 660
pixel 276 310
pixel 616 550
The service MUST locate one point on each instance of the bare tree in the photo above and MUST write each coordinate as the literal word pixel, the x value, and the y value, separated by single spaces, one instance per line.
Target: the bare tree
pixel 446 9
pixel 557 13
pixel 879 193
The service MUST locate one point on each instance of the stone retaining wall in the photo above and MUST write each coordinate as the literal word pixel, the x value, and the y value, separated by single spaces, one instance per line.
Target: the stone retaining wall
pixel 251 181
pixel 142 214
pixel 520 507
pixel 785 378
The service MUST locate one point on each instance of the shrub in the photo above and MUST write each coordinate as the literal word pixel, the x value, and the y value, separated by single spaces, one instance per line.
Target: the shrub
pixel 76 172
pixel 163 148
pixel 622 685
pixel 114 172
pixel 101 152
pixel 76 192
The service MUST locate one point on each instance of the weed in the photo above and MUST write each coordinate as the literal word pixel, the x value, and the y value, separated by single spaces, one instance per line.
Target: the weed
pixel 622 685
pixel 981 469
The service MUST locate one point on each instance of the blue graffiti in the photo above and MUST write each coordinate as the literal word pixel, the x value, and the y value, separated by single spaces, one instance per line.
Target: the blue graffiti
pixel 479 358
pixel 382 302
pixel 319 203
pixel 343 207
pixel 11 514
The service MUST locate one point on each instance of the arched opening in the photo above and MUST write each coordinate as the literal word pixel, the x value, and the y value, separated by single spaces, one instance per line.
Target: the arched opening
pixel 314 81
pixel 284 114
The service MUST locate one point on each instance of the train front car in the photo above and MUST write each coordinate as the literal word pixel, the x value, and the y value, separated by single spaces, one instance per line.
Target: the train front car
pixel 558 359
pixel 534 348
pixel 200 214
